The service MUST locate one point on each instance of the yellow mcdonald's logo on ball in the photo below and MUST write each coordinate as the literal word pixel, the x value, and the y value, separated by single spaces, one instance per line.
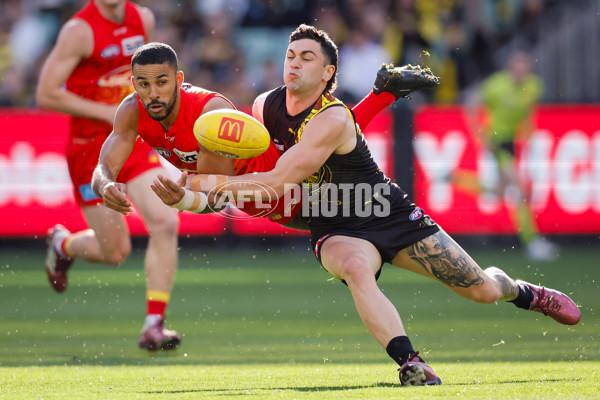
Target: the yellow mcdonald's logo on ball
pixel 231 133
pixel 231 129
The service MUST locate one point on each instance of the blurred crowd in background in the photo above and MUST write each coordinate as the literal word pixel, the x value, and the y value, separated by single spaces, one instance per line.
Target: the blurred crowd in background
pixel 237 47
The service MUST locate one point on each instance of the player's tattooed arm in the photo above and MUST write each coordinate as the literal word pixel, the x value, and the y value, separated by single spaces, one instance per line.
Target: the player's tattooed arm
pixel 441 257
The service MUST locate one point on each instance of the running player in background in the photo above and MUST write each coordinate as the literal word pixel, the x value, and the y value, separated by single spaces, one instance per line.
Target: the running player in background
pixel 86 75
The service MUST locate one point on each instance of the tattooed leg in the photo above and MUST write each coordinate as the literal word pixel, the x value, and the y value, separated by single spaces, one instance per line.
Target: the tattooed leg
pixel 441 258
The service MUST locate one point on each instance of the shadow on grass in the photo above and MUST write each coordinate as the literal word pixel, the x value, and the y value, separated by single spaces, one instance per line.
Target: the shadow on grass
pixel 356 387
pixel 298 389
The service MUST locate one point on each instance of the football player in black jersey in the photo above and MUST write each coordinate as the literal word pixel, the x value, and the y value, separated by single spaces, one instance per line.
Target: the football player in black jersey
pixel 358 218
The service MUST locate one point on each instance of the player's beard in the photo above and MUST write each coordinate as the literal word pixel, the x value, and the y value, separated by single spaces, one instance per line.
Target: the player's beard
pixel 167 107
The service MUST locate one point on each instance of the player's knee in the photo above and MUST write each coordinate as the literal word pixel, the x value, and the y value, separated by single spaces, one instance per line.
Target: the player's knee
pixel 114 250
pixel 356 270
pixel 119 255
pixel 164 225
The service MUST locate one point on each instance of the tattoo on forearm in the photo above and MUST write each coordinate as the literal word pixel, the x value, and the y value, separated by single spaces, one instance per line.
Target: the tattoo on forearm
pixel 446 261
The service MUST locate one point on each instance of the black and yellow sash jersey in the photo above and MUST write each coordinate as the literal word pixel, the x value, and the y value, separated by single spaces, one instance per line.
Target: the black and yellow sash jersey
pixel 340 173
pixel 349 195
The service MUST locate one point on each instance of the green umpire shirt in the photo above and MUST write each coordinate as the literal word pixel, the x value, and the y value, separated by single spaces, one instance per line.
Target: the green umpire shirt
pixel 509 103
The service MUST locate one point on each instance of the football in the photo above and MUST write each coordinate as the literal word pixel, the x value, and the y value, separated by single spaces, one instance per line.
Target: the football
pixel 231 133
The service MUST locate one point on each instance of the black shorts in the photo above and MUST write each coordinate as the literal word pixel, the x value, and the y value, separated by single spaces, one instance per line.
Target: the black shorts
pixel 408 225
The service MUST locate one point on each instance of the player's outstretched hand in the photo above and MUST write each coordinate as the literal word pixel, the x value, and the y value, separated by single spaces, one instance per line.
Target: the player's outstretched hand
pixel 168 191
pixel 185 180
pixel 115 197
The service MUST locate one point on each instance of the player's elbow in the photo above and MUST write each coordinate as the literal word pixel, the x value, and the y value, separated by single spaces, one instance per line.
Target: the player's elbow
pixel 44 98
pixel 40 99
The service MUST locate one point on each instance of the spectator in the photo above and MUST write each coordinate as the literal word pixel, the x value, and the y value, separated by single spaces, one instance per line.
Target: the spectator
pixel 402 37
pixel 405 28
pixel 360 54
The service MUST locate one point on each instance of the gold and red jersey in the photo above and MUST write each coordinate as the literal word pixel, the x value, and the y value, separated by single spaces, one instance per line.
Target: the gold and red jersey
pixel 178 146
pixel 105 75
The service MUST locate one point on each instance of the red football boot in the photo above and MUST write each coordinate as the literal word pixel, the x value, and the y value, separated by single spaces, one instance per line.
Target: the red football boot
pixel 554 304
pixel 57 266
pixel 415 372
pixel 157 337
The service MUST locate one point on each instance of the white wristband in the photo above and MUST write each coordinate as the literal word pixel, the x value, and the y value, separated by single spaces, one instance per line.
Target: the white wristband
pixel 195 202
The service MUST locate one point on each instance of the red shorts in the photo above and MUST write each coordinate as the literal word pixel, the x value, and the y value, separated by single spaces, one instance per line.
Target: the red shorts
pixel 280 211
pixel 82 158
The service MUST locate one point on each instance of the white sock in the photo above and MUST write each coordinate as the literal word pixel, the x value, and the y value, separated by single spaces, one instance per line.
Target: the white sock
pixel 58 247
pixel 151 319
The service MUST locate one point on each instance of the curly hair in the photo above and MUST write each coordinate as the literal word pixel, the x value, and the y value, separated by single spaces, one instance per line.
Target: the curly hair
pixel 327 45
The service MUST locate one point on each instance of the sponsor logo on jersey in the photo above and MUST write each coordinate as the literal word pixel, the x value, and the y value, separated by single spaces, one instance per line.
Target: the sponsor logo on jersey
pixel 163 152
pixel 120 31
pixel 131 44
pixel 416 214
pixel 317 181
pixel 110 51
pixel 118 77
pixel 427 221
pixel 278 144
pixel 231 130
pixel 187 156
pixel 153 157
pixel 87 193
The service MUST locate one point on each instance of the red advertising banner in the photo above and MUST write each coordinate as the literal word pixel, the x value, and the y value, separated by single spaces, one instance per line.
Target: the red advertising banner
pixel 560 162
pixel 36 190
pixel 35 187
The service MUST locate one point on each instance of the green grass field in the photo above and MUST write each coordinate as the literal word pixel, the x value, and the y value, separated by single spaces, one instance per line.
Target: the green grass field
pixel 269 323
